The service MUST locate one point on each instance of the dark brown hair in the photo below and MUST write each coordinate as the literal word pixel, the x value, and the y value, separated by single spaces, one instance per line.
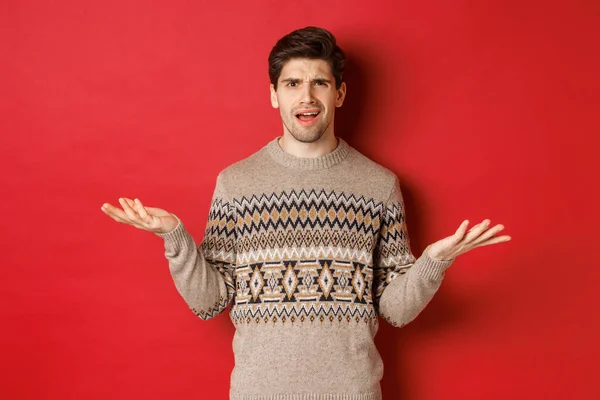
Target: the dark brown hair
pixel 310 42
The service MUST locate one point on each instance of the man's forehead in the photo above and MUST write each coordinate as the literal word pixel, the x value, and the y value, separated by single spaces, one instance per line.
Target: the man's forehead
pixel 304 67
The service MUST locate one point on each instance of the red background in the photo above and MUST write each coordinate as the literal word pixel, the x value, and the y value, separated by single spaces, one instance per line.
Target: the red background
pixel 484 109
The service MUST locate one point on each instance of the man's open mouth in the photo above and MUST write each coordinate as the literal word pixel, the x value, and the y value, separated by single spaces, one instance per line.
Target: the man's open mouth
pixel 307 116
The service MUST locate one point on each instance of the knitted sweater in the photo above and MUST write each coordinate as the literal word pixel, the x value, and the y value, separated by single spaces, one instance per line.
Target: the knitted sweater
pixel 307 252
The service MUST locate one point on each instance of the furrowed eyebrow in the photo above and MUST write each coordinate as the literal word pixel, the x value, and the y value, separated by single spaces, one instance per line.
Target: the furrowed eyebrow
pixel 296 80
pixel 290 80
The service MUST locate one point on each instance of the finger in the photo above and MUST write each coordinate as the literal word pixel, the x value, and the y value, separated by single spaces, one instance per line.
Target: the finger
pixel 115 213
pixel 138 207
pixel 488 234
pixel 142 212
pixel 131 204
pixel 476 230
pixel 494 240
pixel 138 221
pixel 460 232
pixel 133 217
pixel 153 211
pixel 480 225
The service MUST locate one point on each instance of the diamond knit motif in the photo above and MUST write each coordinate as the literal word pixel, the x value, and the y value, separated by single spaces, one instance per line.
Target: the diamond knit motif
pixel 307 256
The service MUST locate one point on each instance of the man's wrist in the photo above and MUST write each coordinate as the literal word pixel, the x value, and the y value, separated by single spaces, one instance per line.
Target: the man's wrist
pixel 170 225
pixel 436 255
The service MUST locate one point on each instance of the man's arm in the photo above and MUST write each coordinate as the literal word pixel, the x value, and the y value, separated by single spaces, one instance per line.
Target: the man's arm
pixel 403 285
pixel 407 289
pixel 203 274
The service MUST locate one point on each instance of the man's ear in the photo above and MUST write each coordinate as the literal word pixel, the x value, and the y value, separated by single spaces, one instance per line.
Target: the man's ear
pixel 274 101
pixel 341 95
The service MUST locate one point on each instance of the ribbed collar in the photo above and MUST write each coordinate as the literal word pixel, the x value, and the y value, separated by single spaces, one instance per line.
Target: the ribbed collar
pixel 308 163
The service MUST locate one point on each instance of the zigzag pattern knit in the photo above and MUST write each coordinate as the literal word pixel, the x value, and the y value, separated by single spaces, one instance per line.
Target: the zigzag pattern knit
pixel 307 252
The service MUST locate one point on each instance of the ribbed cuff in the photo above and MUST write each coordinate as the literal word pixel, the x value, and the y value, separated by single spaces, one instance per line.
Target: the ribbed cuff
pixel 309 396
pixel 176 237
pixel 432 269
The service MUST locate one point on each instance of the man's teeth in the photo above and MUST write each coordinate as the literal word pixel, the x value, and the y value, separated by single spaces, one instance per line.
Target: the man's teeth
pixel 307 114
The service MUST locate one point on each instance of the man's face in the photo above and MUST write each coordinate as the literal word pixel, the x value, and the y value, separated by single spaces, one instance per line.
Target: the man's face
pixel 306 86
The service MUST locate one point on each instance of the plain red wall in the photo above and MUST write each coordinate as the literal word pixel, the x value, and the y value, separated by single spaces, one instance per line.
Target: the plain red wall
pixel 485 109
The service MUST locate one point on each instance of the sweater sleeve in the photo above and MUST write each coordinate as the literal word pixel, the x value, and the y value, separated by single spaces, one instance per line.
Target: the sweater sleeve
pixel 403 285
pixel 203 274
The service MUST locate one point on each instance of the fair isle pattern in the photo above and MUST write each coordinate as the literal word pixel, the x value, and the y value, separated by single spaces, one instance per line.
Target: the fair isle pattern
pixel 304 291
pixel 219 237
pixel 218 248
pixel 307 210
pixel 304 253
pixel 393 255
pixel 394 247
pixel 305 257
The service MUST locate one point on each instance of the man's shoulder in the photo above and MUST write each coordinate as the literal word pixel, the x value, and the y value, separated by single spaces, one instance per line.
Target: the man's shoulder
pixel 372 169
pixel 245 166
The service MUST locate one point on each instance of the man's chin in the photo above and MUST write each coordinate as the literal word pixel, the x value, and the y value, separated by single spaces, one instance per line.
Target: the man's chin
pixel 304 135
pixel 307 137
pixel 307 140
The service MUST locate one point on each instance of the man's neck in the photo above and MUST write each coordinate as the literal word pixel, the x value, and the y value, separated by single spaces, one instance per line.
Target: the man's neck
pixel 321 147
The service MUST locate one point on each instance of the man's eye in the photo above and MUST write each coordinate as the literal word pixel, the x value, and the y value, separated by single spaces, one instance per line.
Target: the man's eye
pixel 292 84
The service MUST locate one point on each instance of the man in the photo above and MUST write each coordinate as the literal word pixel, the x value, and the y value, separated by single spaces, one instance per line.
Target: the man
pixel 307 240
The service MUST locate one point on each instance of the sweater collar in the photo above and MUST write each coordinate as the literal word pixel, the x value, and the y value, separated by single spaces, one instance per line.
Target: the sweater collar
pixel 308 163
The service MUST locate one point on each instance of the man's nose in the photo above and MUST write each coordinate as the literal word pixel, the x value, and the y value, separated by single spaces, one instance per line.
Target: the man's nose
pixel 307 96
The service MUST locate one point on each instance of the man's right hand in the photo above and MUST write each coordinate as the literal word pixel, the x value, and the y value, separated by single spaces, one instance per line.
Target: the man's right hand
pixel 134 213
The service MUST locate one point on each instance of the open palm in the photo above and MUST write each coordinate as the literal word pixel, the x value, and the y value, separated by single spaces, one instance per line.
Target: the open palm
pixel 134 213
pixel 463 241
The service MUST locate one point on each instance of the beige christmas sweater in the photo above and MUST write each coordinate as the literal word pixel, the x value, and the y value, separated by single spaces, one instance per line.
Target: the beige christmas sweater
pixel 307 252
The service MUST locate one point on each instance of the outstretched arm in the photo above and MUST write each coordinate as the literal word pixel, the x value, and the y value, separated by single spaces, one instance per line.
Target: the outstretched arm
pixel 405 285
pixel 203 274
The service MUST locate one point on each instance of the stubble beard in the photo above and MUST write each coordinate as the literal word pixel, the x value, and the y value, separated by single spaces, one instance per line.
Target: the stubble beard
pixel 306 134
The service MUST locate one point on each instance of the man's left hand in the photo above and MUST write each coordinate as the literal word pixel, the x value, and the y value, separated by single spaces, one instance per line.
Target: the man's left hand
pixel 463 241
